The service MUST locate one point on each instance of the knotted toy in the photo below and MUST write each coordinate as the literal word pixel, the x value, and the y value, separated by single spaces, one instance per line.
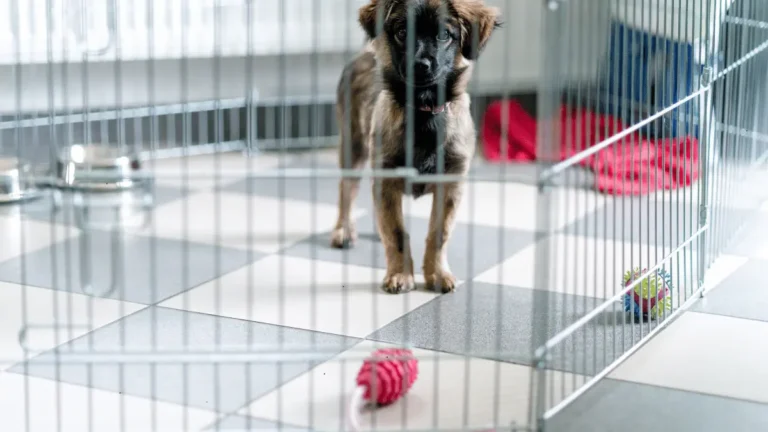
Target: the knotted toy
pixel 384 378
pixel 650 297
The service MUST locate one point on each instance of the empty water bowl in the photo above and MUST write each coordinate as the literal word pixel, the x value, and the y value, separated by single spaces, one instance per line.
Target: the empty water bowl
pixel 97 168
pixel 16 182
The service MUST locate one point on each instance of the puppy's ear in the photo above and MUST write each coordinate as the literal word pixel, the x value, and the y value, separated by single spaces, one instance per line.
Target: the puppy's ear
pixel 368 16
pixel 477 23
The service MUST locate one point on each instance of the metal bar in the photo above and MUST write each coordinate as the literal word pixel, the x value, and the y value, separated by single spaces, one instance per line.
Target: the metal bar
pixel 125 113
pixel 741 132
pixel 573 160
pixel 704 164
pixel 185 151
pixel 745 58
pixel 744 22
pixel 549 94
pixel 309 173
pixel 220 354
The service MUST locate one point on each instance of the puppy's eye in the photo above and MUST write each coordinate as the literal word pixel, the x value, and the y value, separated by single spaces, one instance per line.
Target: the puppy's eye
pixel 444 36
pixel 400 35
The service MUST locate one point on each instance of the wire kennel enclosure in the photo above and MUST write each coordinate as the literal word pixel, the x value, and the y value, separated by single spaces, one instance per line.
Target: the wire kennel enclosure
pixel 673 69
pixel 656 104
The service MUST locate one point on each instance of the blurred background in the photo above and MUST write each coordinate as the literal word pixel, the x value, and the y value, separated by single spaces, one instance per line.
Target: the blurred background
pixel 109 55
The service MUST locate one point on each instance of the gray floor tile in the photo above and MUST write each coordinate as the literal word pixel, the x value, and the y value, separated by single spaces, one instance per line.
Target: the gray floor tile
pixel 238 423
pixel 622 406
pixel 497 322
pixel 472 249
pixel 152 269
pixel 223 387
pixel 743 294
pixel 642 221
pixel 527 173
pixel 100 214
pixel 314 190
pixel 325 190
pixel 321 190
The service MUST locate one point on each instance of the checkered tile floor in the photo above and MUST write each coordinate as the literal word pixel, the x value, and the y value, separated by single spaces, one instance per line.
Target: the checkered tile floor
pixel 244 266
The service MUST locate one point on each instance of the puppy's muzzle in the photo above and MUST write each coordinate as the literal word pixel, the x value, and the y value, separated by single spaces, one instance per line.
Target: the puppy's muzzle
pixel 423 72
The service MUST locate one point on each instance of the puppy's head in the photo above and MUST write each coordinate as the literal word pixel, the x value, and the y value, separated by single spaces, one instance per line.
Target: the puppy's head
pixel 443 35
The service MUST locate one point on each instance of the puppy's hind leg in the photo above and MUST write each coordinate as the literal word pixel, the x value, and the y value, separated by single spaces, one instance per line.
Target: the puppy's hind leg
pixel 353 157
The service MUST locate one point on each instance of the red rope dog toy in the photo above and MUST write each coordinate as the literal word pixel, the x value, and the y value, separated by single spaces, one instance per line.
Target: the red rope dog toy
pixel 383 379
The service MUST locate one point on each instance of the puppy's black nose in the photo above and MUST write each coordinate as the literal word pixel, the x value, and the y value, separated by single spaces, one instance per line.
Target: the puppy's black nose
pixel 423 66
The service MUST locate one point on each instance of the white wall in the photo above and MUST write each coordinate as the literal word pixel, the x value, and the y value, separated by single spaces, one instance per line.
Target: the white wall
pixel 510 61
pixel 298 49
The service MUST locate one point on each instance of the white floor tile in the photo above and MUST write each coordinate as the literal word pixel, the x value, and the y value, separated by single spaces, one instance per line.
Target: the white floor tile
pixel 327 157
pixel 752 239
pixel 445 390
pixel 705 353
pixel 38 405
pixel 223 218
pixel 723 267
pixel 722 191
pixel 202 170
pixel 51 318
pixel 347 299
pixel 584 265
pixel 512 205
pixel 21 236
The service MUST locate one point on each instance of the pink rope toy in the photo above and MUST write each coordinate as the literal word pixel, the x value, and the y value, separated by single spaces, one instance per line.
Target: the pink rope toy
pixel 384 378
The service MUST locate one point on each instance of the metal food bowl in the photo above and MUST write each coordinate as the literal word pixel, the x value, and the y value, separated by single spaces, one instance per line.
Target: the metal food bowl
pixel 97 168
pixel 15 181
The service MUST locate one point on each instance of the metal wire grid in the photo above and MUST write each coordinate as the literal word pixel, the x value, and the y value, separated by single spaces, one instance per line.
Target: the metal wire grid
pixel 700 233
pixel 723 108
pixel 138 129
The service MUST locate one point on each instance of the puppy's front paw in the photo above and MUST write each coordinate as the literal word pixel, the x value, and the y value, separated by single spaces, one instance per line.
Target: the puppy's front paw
pixel 440 280
pixel 398 283
pixel 343 238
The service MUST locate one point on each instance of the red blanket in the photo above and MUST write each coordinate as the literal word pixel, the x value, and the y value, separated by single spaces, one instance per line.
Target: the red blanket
pixel 632 166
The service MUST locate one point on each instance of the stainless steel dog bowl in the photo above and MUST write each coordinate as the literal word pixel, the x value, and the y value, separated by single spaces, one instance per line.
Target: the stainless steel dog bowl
pixel 15 181
pixel 97 168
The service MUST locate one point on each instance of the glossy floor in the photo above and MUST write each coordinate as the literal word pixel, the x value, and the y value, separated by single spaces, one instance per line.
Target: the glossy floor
pixel 229 310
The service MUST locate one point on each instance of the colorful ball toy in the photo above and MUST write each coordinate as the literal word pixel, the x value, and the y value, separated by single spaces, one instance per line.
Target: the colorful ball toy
pixel 649 298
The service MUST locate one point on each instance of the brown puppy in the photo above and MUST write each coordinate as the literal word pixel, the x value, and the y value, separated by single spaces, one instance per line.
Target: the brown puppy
pixel 400 113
